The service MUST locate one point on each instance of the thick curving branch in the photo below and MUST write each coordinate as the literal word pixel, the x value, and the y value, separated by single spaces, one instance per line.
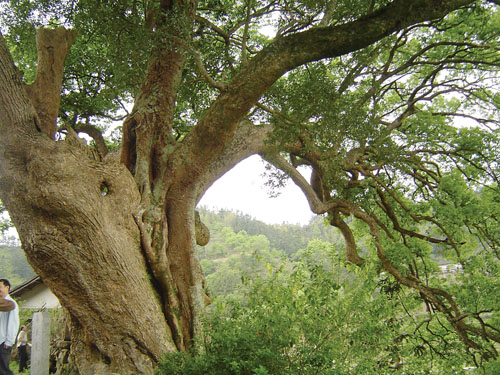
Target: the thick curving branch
pixel 201 67
pixel 249 139
pixel 315 203
pixel 215 130
pixel 350 242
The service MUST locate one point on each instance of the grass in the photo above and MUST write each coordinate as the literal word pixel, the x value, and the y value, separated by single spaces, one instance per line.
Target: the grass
pixel 14 366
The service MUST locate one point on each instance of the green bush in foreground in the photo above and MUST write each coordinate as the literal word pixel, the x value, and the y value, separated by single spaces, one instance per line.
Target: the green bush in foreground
pixel 314 323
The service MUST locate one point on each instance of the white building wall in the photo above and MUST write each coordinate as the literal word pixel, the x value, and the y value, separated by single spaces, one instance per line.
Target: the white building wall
pixel 38 297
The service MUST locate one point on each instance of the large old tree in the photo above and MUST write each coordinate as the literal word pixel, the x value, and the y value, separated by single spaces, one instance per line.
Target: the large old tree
pixel 366 94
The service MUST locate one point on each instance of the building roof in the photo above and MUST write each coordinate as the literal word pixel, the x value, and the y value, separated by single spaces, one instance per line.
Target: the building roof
pixel 20 289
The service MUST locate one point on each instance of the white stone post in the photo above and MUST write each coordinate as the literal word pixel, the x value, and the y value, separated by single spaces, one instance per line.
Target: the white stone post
pixel 40 339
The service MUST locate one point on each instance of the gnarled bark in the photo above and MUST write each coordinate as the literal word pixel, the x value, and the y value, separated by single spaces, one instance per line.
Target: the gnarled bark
pixel 74 216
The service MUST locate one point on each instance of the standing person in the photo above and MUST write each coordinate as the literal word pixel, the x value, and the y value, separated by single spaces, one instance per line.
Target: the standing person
pixel 22 345
pixel 9 324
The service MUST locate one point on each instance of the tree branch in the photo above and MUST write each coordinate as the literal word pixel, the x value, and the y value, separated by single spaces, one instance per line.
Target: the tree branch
pixel 329 11
pixel 248 140
pixel 52 45
pixel 201 67
pixel 351 251
pixel 315 203
pixel 213 26
pixel 214 131
pixel 96 135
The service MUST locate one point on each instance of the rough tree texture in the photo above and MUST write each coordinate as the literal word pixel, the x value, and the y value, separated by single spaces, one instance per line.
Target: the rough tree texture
pixel 115 241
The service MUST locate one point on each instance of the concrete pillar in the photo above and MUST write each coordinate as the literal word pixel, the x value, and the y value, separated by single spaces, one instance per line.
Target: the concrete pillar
pixel 40 340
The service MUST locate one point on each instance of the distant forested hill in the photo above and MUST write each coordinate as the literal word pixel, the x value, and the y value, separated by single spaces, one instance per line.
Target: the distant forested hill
pixel 286 237
pixel 13 265
pixel 241 246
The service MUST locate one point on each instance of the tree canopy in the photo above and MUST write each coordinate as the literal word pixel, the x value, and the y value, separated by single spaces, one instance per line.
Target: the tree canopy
pixel 391 104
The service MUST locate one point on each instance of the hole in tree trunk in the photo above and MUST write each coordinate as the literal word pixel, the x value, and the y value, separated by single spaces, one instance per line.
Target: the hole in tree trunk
pixel 104 189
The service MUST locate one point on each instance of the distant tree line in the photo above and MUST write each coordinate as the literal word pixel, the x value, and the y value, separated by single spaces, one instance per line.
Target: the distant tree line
pixel 286 237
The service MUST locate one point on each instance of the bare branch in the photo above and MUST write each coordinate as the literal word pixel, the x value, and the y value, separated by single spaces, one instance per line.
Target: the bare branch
pixel 351 252
pixel 315 203
pixel 213 26
pixel 201 67
pixel 52 45
pixel 96 135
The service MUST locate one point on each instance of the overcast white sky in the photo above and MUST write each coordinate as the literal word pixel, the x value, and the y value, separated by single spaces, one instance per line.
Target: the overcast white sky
pixel 242 189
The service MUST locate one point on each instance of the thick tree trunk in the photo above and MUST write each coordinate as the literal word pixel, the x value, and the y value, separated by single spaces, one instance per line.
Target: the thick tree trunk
pixel 75 218
pixel 76 224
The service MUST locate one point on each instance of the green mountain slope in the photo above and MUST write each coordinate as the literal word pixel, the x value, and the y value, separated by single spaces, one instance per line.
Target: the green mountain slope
pixel 13 265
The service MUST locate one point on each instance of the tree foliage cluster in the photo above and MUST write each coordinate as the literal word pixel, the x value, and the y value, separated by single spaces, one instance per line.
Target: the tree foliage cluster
pixel 241 246
pixel 311 312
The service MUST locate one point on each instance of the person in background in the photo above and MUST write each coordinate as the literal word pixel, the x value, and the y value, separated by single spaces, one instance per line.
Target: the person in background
pixel 9 325
pixel 22 346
